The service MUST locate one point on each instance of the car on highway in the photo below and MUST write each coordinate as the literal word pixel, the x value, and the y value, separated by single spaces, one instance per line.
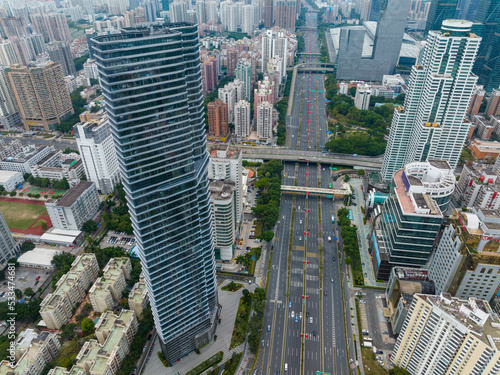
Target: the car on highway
pixel 290 304
pixel 311 319
pixel 300 238
pixel 293 314
pixel 307 314
pixel 332 279
pixel 300 315
pixel 296 319
pixel 300 221
pixel 268 328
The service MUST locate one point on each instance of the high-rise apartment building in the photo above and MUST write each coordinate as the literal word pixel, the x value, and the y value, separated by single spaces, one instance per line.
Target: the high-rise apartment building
pixel 268 13
pixel 117 7
pixel 53 26
pixel 439 11
pixel 222 202
pixel 446 335
pixel 209 74
pixel 41 95
pixel 244 74
pixel 8 247
pixel 98 153
pixel 60 52
pixel 431 125
pixel 478 186
pixel 411 216
pixel 248 19
pixel 230 94
pixel 263 93
pixel 8 104
pixel 351 64
pixel 178 11
pixel 217 119
pixel 164 173
pixel 226 164
pixel 242 127
pixel 363 95
pixel 232 61
pixel 487 26
pixel 264 117
pixel 476 100
pixel 285 14
pixel 274 43
pixel 466 262
pixel 13 26
pixel 493 106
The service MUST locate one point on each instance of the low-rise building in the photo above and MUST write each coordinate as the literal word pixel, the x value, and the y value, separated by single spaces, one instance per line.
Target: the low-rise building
pixel 107 290
pixel 10 180
pixel 77 206
pixel 484 149
pixel 32 351
pixel 56 308
pixel 56 166
pixel 466 262
pixel 38 258
pixel 445 335
pixel 403 284
pixel 23 161
pixel 486 126
pixel 138 297
pixel 104 356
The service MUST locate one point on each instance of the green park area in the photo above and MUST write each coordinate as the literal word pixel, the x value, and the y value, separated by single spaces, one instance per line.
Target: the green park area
pixel 20 215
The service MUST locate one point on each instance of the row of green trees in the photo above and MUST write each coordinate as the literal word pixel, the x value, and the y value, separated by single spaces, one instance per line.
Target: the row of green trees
pixel 62 184
pixel 256 320
pixel 281 107
pixel 350 242
pixel 269 185
pixel 78 106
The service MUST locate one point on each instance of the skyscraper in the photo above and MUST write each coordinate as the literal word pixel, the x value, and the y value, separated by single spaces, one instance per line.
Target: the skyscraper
pixel 60 51
pixel 242 119
pixel 217 119
pixel 244 74
pixel 53 26
pixel 264 117
pixel 439 11
pixel 352 64
pixel 158 128
pixel 41 95
pixel 268 13
pixel 285 14
pixel 487 26
pixel 431 125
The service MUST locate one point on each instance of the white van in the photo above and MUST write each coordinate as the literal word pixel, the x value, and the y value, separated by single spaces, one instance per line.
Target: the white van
pixel 286 366
pixel 329 239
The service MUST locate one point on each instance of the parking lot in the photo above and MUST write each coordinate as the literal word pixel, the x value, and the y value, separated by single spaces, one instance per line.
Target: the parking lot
pixel 26 277
pixel 122 239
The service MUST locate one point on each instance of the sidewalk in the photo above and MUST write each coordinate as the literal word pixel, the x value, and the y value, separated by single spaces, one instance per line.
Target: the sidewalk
pixel 364 230
pixel 229 302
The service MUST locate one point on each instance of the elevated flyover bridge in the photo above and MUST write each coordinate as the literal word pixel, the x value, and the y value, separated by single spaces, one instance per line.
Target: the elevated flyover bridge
pixel 304 190
pixel 369 164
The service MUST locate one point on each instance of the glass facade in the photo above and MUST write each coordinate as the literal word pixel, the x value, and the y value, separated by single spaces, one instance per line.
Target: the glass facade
pixel 151 80
pixel 408 237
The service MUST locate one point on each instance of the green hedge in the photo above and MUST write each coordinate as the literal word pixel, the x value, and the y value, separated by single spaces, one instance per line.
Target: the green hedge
pixel 207 364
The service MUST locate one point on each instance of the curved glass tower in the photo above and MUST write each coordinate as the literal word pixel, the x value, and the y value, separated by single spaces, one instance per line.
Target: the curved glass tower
pixel 151 80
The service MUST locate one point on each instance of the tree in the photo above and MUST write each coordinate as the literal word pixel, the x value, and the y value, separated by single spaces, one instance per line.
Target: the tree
pixel 89 226
pixel 14 261
pixel 68 331
pixel 267 236
pixel 466 156
pixel 12 193
pixel 352 91
pixel 63 261
pixel 87 325
pixel 28 292
pixel 246 294
pixel 360 172
pixel 398 371
pixel 43 225
pixel 27 246
pixel 260 293
pixel 18 293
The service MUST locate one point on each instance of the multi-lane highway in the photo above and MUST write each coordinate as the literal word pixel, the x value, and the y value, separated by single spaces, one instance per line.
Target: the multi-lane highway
pixel 304 329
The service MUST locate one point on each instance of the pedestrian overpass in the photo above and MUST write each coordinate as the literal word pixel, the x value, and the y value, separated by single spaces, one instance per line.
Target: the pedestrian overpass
pixel 304 190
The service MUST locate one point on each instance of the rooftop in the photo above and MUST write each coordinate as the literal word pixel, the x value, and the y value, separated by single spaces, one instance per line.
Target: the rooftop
pixel 39 256
pixel 221 189
pixel 414 203
pixel 6 175
pixel 74 193
pixel 475 315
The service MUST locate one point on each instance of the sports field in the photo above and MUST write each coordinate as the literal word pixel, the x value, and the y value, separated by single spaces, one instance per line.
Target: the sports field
pixel 43 191
pixel 21 215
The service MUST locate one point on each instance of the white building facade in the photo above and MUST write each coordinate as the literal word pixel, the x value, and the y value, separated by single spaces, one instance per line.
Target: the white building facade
pixel 430 125
pixel 265 121
pixel 242 127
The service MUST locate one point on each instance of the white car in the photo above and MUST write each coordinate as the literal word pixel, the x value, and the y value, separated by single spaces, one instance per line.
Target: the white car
pixel 310 319
pixel 293 314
